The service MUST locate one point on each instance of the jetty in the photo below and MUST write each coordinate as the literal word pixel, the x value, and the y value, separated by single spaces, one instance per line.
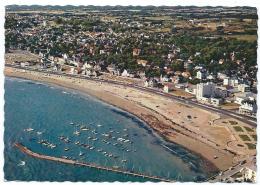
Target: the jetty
pixel 27 151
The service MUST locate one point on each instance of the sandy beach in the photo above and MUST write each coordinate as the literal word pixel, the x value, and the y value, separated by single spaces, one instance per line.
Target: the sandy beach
pixel 190 127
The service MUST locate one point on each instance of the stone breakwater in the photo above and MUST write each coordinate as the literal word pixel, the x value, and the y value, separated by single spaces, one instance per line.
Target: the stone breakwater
pixel 27 151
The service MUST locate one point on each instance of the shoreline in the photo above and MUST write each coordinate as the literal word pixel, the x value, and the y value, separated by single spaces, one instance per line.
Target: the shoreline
pixel 151 118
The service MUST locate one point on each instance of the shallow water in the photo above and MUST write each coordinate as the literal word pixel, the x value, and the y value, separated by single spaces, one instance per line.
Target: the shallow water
pixel 49 110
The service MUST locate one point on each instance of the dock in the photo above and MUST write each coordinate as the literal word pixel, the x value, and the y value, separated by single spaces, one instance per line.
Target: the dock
pixel 27 151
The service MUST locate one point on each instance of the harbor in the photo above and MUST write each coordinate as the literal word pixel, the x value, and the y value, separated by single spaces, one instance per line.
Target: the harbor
pixel 90 165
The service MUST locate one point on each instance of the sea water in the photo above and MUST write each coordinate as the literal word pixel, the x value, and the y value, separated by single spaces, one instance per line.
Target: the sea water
pixel 53 112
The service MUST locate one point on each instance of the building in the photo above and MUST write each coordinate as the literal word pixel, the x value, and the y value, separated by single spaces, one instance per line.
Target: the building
pixel 226 81
pixel 216 101
pixel 125 73
pixel 142 62
pixel 141 74
pixel 168 87
pixel 164 79
pixel 87 66
pixel 151 83
pixel 136 51
pixel 243 88
pixel 249 174
pixel 186 74
pixel 188 65
pixel 201 75
pixel 175 79
pixel 222 76
pixel 112 69
pixel 210 77
pixel 221 92
pixel 181 86
pixel 25 64
pixel 248 107
pixel 233 82
pixel 73 71
pixel 205 90
pixel 191 89
pixel 146 83
pixel 239 99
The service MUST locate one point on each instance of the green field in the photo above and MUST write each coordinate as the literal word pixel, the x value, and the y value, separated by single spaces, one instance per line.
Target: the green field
pixel 254 137
pixel 233 122
pixel 248 129
pixel 245 137
pixel 251 146
pixel 238 129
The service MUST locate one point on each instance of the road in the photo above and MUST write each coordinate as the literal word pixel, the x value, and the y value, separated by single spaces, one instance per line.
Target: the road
pixel 243 118
pixel 233 170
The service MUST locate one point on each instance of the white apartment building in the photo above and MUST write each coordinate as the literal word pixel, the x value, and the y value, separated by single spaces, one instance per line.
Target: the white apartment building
pixel 205 90
pixel 226 81
pixel 248 107
pixel 216 101
pixel 239 97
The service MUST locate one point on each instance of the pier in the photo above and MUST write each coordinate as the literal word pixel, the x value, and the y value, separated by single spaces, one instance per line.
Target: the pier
pixel 27 151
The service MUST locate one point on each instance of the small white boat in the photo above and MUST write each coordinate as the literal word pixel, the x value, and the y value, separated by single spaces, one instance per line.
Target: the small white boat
pixel 99 125
pixel 76 133
pixel 81 154
pixel 52 146
pixel 29 129
pixel 120 139
pixel 67 140
pixel 106 135
pixel 124 160
pixel 39 133
pixel 85 129
pixel 22 163
pixel 71 123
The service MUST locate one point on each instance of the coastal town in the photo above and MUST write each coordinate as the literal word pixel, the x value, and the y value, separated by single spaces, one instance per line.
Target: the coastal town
pixel 190 73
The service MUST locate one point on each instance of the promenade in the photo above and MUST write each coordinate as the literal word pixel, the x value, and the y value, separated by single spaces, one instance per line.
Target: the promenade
pixel 243 118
